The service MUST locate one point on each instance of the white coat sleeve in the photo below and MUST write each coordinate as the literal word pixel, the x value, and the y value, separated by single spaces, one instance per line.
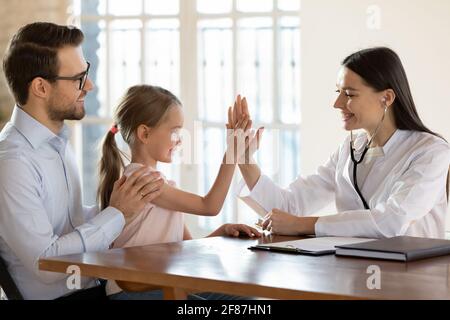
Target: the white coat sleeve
pixel 303 197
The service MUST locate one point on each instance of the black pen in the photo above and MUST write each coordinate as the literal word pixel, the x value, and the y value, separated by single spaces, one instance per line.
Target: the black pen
pixel 292 250
pixel 283 249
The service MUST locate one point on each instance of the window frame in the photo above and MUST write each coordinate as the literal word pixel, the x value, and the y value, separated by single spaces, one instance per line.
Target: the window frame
pixel 188 76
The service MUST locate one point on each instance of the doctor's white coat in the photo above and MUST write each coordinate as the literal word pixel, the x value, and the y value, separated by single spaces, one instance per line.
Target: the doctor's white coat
pixel 405 190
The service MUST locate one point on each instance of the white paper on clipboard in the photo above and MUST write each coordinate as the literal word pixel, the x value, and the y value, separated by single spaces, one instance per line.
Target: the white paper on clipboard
pixel 254 205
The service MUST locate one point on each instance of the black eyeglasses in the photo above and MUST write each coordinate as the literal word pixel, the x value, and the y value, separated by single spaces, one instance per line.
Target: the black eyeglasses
pixel 81 77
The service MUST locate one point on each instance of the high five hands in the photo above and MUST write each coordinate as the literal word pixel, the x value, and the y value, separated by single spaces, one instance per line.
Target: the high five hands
pixel 242 140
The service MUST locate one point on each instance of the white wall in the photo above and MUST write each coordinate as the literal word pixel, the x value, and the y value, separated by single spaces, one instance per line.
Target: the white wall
pixel 418 30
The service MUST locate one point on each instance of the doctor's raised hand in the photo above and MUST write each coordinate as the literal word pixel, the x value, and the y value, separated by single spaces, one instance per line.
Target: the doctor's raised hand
pixel 387 178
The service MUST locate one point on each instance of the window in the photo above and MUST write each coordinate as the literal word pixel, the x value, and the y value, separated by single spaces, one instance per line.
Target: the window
pixel 205 52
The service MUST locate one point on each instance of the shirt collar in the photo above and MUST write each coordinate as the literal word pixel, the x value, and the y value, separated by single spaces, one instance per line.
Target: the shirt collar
pixel 361 140
pixel 396 138
pixel 35 132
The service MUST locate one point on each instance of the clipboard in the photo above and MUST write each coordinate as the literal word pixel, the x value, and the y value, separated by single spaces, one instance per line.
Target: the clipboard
pixel 317 246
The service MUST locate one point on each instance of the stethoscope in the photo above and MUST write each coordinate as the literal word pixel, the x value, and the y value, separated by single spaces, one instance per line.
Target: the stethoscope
pixel 355 162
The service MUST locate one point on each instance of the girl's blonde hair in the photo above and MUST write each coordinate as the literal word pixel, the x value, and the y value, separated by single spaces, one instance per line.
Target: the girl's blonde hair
pixel 142 104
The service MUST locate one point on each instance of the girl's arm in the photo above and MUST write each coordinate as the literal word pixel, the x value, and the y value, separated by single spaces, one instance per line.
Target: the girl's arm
pixel 210 204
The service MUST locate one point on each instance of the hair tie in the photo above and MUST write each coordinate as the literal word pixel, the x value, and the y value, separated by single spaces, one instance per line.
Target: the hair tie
pixel 114 129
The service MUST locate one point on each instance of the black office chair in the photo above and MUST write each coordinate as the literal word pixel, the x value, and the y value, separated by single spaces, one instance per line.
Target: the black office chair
pixel 7 283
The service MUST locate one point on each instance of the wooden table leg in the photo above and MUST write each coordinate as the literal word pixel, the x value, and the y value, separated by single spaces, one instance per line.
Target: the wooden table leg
pixel 174 293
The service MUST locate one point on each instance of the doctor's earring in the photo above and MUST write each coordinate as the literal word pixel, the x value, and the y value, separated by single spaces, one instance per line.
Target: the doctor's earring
pixel 384 103
pixel 385 106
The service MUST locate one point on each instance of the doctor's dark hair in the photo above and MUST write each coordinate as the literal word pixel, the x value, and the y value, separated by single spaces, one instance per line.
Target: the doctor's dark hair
pixel 33 52
pixel 141 104
pixel 381 69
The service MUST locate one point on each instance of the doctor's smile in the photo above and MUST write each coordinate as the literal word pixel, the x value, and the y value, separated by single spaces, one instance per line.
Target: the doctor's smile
pixel 347 116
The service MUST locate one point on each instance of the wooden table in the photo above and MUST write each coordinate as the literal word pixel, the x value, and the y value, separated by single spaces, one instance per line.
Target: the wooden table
pixel 226 265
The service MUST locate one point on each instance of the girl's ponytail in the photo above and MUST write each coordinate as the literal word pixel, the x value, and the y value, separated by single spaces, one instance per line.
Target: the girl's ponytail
pixel 110 167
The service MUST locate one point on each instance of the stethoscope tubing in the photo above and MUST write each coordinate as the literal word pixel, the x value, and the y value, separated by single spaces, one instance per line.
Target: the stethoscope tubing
pixel 356 162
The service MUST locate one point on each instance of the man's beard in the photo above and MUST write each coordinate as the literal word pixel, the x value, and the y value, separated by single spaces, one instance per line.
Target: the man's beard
pixel 67 113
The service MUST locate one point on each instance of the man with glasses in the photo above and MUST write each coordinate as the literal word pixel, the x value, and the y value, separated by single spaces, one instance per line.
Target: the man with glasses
pixel 82 77
pixel 41 211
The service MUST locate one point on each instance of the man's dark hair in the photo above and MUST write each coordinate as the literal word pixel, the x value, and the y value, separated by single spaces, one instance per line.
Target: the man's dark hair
pixel 33 53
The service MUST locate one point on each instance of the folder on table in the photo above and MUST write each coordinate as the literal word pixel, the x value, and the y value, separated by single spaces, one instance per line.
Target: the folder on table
pixel 402 248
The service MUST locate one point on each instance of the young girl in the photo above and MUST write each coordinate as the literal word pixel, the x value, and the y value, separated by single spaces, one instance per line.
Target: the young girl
pixel 149 119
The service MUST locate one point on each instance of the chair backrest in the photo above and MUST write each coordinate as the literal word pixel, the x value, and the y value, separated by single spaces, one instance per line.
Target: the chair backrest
pixel 7 283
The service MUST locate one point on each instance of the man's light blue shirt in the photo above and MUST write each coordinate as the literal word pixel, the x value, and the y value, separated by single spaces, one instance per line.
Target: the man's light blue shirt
pixel 41 210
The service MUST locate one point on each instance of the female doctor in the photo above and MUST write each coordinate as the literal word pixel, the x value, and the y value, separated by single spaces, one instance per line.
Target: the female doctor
pixel 387 180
